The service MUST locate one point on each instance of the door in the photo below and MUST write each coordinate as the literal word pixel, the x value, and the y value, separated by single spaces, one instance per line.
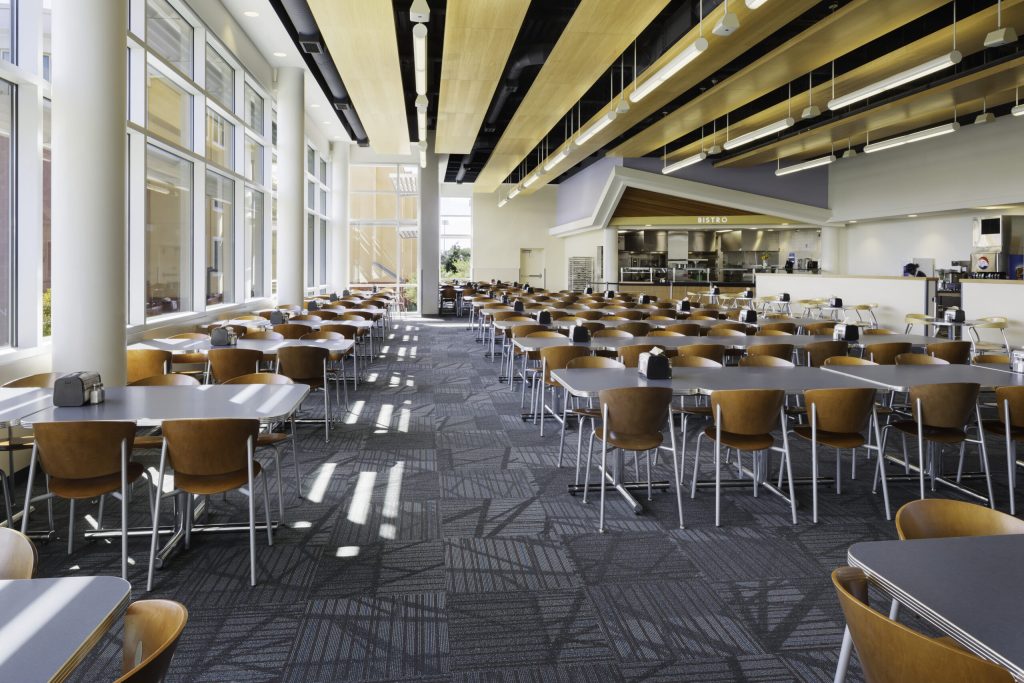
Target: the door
pixel 531 267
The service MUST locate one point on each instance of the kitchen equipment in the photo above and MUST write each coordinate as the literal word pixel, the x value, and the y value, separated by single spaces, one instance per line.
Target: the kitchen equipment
pixel 1017 361
pixel 991 245
pixel 76 389
pixel 954 315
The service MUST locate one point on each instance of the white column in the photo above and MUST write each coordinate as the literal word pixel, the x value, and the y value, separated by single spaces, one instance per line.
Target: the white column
pixel 430 217
pixel 339 217
pixel 291 184
pixel 828 260
pixel 611 254
pixel 89 177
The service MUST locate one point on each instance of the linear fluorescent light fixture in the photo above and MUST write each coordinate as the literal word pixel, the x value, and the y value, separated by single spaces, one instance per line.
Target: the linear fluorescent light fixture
pixel 531 179
pixel 944 129
pixel 896 80
pixel 515 191
pixel 556 160
pixel 1018 110
pixel 813 163
pixel 762 132
pixel 754 4
pixel 692 51
pixel 419 56
pixel 683 163
pixel 502 202
pixel 596 128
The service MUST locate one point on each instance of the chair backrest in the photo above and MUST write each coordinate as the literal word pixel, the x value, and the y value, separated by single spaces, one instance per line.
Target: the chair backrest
pixel 593 326
pixel 994 358
pixel 749 412
pixel 715 352
pixel 590 315
pixel 146 363
pixel 630 355
pixel 687 329
pixel 819 328
pixel 82 450
pixel 191 335
pixel 614 318
pixel 151 632
pixel 591 362
pixel 546 334
pixel 636 411
pixel 346 331
pixel 946 406
pixel 846 360
pixel 323 334
pixel 765 361
pixel 944 518
pixel 772 333
pixel 845 411
pixel 723 331
pixel 45 380
pixel 789 328
pixel 503 315
pixel 209 447
pixel 249 317
pixel 919 359
pixel 558 357
pixel 228 363
pixel 693 362
pixel 18 556
pixel 327 315
pixel 631 315
pixel 890 652
pixel 956 352
pixel 267 335
pixel 664 333
pixel 303 362
pixel 172 379
pixel 819 352
pixel 307 316
pixel 357 315
pixel 291 330
pixel 737 326
pixel 1011 398
pixel 612 332
pixel 885 353
pixel 781 351
pixel 523 330
pixel 260 378
pixel 876 331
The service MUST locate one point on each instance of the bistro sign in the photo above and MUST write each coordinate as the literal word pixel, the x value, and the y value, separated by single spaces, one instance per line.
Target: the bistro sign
pixel 707 220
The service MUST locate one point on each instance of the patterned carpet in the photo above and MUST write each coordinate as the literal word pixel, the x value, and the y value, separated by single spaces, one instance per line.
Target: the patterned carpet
pixel 437 543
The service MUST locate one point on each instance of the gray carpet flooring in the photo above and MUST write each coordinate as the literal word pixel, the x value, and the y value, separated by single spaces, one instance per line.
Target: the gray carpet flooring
pixel 437 543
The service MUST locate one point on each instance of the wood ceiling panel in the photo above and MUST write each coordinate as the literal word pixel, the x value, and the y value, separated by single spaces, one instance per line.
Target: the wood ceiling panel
pixel 856 24
pixel 755 27
pixel 478 37
pixel 360 35
pixel 598 32
pixel 635 203
pixel 994 86
pixel 970 36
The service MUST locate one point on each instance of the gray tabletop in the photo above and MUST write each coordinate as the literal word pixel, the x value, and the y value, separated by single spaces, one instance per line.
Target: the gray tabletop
pixel 982 612
pixel 587 382
pixel 47 626
pixel 614 343
pixel 917 340
pixel 902 377
pixel 17 403
pixel 264 345
pixel 153 405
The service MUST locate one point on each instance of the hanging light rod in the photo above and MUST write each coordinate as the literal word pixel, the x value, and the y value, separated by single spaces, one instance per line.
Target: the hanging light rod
pixel 596 128
pixel 762 132
pixel 813 163
pixel 896 80
pixel 944 129
pixel 683 163
pixel 690 53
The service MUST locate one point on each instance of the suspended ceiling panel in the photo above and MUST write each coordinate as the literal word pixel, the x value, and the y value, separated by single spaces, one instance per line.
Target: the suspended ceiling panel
pixel 599 31
pixel 360 35
pixel 478 37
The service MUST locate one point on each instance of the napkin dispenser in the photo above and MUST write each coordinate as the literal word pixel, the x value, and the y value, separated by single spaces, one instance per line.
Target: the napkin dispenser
pixel 518 306
pixel 544 317
pixel 529 290
pixel 578 333
pixel 654 365
pixel 645 299
pixel 847 332
pixel 715 290
pixel 223 336
pixel 609 294
pixel 835 302
pixel 683 306
pixel 504 299
pixel 346 292
pixel 1017 361
pixel 748 294
pixel 748 315
pixel 78 389
pixel 783 297
pixel 334 296
pixel 277 317
pixel 312 306
pixel 588 290
pixel 954 315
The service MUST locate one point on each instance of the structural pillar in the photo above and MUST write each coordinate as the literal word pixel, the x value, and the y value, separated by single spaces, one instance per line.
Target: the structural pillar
pixel 89 175
pixel 291 184
pixel 610 255
pixel 430 217
pixel 339 217
pixel 828 261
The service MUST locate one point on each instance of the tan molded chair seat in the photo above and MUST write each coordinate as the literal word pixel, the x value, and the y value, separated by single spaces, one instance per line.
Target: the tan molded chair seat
pixel 780 351
pixel 18 556
pixel 764 362
pixel 744 442
pixel 260 378
pixel 228 363
pixel 291 331
pixel 151 632
pixel 171 379
pixel 144 363
pixel 846 360
pixel 833 439
pixel 955 352
pixel 93 486
pixel 994 358
pixel 876 331
pixel 819 352
pixel 208 484
pixel 687 329
pixel 44 380
pixel 943 518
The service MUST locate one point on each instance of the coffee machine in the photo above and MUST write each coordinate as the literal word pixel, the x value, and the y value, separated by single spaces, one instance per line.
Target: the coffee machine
pixel 991 251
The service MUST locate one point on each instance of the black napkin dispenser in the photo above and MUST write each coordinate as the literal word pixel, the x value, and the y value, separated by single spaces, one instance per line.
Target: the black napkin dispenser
pixel 334 296
pixel 654 366
pixel 748 315
pixel 72 390
pixel 588 290
pixel 544 317
pixel 609 294
pixel 835 302
pixel 783 297
pixel 645 299
pixel 518 307
pixel 578 333
pixel 847 332
pixel 683 306
pixel 715 290
pixel 312 306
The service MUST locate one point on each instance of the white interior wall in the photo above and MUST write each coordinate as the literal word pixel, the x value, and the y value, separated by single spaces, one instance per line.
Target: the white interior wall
pixel 523 223
pixel 983 298
pixel 585 244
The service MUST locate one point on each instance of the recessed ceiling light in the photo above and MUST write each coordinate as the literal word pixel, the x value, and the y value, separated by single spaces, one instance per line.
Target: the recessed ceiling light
pixel 327 122
pixel 911 215
pixel 280 54
pixel 314 106
pixel 251 13
pixel 851 222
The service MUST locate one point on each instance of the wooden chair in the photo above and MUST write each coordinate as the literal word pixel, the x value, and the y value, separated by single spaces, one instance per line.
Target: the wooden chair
pixel 632 419
pixel 194 358
pixel 994 358
pixel 1009 425
pixel 171 379
pixel 292 330
pixel 944 518
pixel 307 316
pixel 890 652
pixel 955 352
pixel 637 329
pixel 85 460
pixel 308 365
pixel 151 632
pixel 787 327
pixel 876 331
pixel 819 352
pixel 992 322
pixel 772 333
pixel 18 555
pixel 688 329
pixel 553 358
pixel 885 353
pixel 612 332
pixel 819 328
pixel 664 333
pixel 723 329
pixel 630 355
pixel 210 456
pixel 12 443
pixel 764 361
pixel 631 315
pixel 267 335
pixel 337 366
pixel 144 363
pixel 780 351
pixel 715 352
pixel 228 363
pixel 846 360
pixel 918 359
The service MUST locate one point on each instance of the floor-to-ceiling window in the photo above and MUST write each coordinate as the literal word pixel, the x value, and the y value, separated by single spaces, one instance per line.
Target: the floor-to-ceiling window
pixel 456 237
pixel 7 232
pixel 168 232
pixel 317 209
pixel 384 228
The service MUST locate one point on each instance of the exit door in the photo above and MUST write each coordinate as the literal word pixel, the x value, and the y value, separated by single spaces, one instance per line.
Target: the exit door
pixel 531 267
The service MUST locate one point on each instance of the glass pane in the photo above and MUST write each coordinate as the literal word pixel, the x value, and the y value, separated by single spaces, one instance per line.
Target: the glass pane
pixel 169 35
pixel 310 195
pixel 373 254
pixel 220 140
pixel 456 206
pixel 7 151
pixel 47 249
pixel 168 232
pixel 455 225
pixel 6 36
pixel 253 160
pixel 253 109
pixel 410 260
pixel 220 232
pixel 323 171
pixel 323 202
pixel 323 252
pixel 220 79
pixel 362 178
pixel 168 109
pixel 47 36
pixel 410 208
pixel 310 161
pixel 253 242
pixel 310 249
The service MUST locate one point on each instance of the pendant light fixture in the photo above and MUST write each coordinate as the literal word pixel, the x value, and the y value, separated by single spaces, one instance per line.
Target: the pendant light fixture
pixel 762 132
pixel 944 129
pixel 811 111
pixel 602 122
pixel 675 65
pixel 419 56
pixel 803 166
pixel 1003 35
pixel 690 160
